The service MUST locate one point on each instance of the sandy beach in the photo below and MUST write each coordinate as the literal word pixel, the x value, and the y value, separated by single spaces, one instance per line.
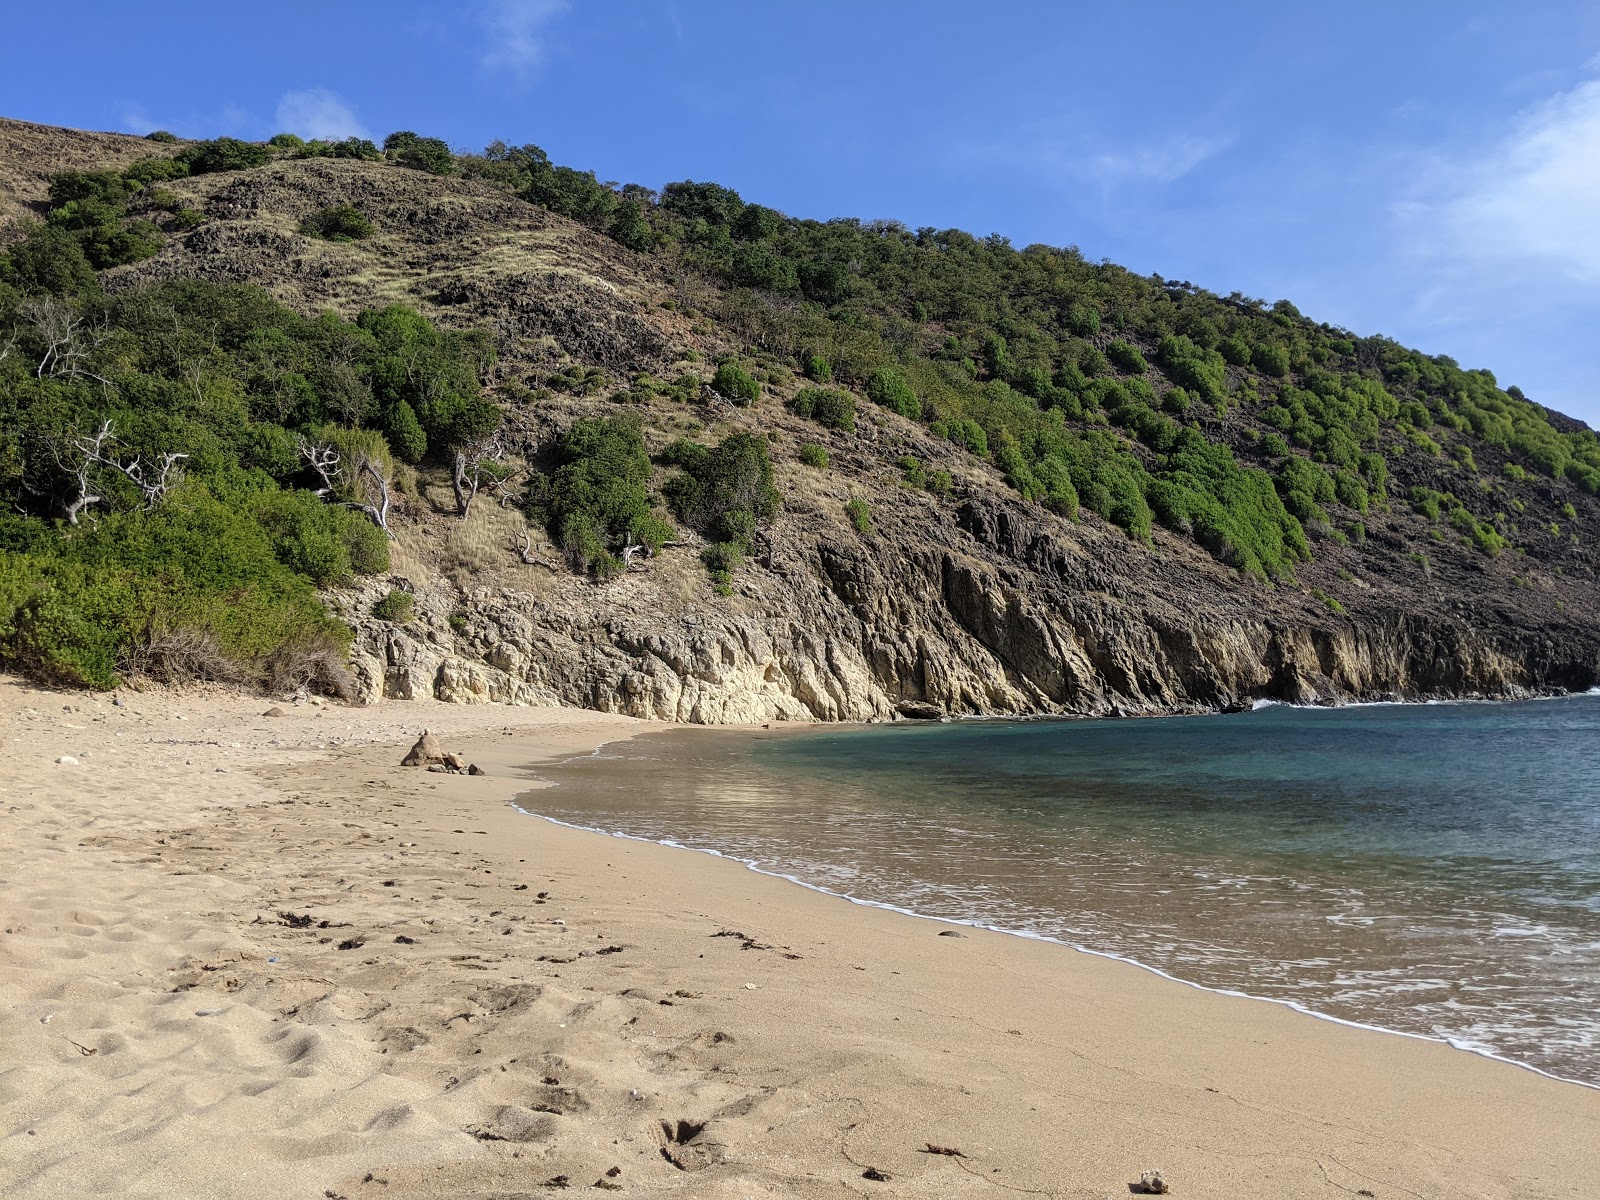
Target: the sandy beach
pixel 250 956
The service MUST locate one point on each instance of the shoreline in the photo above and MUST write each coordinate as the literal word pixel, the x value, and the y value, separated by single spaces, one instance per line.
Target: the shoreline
pixel 1028 936
pixel 837 1036
pixel 525 803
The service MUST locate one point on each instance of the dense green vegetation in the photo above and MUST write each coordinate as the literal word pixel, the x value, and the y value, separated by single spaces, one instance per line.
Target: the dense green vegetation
pixel 159 455
pixel 596 501
pixel 1086 385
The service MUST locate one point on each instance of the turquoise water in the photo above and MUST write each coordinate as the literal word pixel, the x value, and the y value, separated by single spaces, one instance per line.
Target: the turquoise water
pixel 1432 869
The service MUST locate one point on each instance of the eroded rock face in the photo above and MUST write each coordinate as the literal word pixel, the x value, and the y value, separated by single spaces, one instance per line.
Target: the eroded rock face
pixel 997 613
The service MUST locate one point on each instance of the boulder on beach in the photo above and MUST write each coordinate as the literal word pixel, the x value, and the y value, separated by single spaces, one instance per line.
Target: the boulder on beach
pixel 425 752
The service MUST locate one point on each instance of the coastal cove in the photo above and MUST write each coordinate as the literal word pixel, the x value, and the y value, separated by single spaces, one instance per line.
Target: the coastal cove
pixel 158 1004
pixel 1426 869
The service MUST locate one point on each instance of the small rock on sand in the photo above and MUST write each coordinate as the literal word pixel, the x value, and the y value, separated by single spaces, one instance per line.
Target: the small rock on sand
pixel 274 711
pixel 475 769
pixel 66 760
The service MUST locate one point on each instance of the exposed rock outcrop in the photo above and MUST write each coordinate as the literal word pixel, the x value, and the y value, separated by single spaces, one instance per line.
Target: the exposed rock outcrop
pixel 1001 613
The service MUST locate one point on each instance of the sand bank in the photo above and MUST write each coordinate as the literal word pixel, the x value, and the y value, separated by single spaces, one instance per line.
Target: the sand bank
pixel 253 957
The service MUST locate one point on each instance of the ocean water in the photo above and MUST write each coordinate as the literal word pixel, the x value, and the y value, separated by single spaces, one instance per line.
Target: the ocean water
pixel 1429 869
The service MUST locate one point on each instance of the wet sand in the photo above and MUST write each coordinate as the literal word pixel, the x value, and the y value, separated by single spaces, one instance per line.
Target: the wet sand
pixel 249 956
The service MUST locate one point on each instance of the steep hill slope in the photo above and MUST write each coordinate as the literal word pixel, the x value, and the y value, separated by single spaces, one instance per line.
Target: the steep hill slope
pixel 1105 493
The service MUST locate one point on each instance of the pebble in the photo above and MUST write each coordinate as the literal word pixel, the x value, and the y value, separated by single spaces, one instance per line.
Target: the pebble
pixel 66 760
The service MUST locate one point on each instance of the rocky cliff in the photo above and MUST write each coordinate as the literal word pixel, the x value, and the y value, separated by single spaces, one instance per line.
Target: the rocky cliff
pixel 994 613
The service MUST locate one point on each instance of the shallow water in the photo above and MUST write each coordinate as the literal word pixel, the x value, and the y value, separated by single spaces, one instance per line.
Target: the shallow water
pixel 1432 869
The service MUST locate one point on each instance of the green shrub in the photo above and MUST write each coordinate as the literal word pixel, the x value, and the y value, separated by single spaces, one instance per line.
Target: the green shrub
pixel 186 219
pixel 966 433
pixel 889 388
pixel 939 483
pixel 722 559
pixel 1332 604
pixel 828 407
pixel 398 608
pixel 1126 358
pixel 160 135
pixel 726 492
pixel 734 383
pixel 1236 351
pixel 817 369
pixel 341 223
pixel 287 141
pixel 596 500
pixel 912 471
pixel 224 154
pixel 859 514
pixel 420 153
pixel 50 260
pixel 1270 360
pixel 814 455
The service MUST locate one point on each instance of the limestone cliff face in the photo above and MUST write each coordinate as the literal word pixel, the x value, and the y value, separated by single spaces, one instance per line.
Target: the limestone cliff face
pixel 998 612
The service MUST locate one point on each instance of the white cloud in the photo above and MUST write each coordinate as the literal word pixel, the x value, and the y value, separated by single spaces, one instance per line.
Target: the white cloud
pixel 318 113
pixel 1528 204
pixel 1166 162
pixel 1064 150
pixel 515 30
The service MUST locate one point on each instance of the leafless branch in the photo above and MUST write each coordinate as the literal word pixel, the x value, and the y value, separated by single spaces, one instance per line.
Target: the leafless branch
pixel 69 344
pixel 523 545
pixel 375 492
pixel 153 481
pixel 324 460
pixel 79 457
pixel 473 468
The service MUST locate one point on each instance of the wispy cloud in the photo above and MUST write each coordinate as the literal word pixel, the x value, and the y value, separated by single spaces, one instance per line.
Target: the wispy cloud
pixel 1524 205
pixel 318 113
pixel 1065 151
pixel 516 32
pixel 1163 162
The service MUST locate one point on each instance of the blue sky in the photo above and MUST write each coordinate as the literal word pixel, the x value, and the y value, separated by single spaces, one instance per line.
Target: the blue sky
pixel 1426 170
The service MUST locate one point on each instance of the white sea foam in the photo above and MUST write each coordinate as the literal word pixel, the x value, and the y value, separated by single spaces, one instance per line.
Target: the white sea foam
pixel 1455 1039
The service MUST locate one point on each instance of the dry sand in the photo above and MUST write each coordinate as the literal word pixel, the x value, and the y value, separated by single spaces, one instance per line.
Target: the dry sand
pixel 254 957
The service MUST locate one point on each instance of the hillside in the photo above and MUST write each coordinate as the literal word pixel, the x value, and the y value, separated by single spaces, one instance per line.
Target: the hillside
pixel 736 467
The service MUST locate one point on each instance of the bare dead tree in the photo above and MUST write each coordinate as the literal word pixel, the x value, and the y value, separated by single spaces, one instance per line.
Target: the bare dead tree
pixel 374 493
pixel 634 557
pixel 769 548
pixel 69 343
pixel 324 460
pixel 81 455
pixel 475 464
pixel 154 481
pixel 523 545
pixel 78 458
